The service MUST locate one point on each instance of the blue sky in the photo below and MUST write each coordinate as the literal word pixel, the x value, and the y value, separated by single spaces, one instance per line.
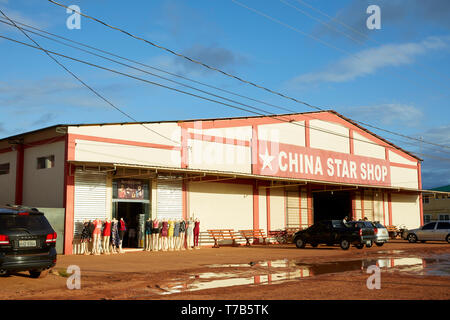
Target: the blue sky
pixel 395 78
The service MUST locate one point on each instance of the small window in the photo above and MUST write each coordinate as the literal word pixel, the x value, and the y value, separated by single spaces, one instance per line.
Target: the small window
pixel 426 200
pixel 46 162
pixel 444 217
pixel 426 218
pixel 4 168
pixel 429 226
pixel 443 225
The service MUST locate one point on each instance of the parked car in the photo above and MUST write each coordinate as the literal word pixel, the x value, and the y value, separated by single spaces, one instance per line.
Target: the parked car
pixel 332 232
pixel 435 231
pixel 27 241
pixel 381 233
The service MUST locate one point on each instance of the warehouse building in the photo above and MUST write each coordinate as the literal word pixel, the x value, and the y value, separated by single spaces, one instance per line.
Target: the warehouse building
pixel 266 172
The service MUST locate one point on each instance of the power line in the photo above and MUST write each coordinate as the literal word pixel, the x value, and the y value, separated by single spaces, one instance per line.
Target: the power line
pixel 81 81
pixel 353 30
pixel 200 63
pixel 191 94
pixel 351 55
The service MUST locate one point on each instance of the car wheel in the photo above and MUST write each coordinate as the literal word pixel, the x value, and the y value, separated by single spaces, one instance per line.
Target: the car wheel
pixel 345 244
pixel 359 246
pixel 4 273
pixel 38 273
pixel 448 238
pixel 412 238
pixel 314 245
pixel 369 245
pixel 300 243
pixel 380 244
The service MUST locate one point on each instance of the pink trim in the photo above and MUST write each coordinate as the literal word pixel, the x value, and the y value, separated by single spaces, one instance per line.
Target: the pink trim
pixel 363 197
pixel 124 142
pixel 255 205
pixel 390 208
pixel 69 195
pixel 307 135
pixel 310 206
pixel 300 206
pixel 384 211
pixel 419 179
pixel 402 165
pixel 351 141
pixel 6 150
pixel 217 139
pixel 268 208
pixel 45 141
pixel 184 149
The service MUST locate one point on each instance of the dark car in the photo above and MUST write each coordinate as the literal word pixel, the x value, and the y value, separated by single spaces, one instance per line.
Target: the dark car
pixel 332 232
pixel 27 241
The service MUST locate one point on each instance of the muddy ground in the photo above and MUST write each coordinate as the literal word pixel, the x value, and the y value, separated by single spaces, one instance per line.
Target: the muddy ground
pixel 258 272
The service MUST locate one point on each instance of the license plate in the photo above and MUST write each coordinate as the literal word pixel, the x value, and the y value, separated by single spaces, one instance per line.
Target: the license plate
pixel 27 243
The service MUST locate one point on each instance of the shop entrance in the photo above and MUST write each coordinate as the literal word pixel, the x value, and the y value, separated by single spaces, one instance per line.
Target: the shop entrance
pixel 335 205
pixel 134 214
pixel 131 201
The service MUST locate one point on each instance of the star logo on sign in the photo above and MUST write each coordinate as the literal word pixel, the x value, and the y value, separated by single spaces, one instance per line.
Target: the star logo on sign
pixel 267 160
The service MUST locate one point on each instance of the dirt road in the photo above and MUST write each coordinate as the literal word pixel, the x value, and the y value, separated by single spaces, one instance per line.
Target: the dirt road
pixel 408 271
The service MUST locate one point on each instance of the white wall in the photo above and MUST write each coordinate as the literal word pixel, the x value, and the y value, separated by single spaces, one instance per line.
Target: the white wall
pixel 322 139
pixel 8 181
pixel 277 209
pixel 404 177
pixel 44 187
pixel 221 205
pixel 405 210
pixel 365 147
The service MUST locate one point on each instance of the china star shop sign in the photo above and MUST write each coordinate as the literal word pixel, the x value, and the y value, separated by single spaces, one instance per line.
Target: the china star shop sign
pixel 282 160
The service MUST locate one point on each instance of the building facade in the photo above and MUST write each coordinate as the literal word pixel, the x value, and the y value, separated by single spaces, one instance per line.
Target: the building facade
pixel 436 206
pixel 267 172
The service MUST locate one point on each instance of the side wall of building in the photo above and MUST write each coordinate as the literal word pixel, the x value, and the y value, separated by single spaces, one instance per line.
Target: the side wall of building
pixel 8 181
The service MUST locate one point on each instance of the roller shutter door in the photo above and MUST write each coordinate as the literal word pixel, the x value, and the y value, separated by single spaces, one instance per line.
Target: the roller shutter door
pixel 368 205
pixel 292 209
pixel 169 198
pixel 90 198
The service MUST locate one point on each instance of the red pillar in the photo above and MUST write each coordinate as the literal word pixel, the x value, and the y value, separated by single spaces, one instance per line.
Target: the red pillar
pixel 69 195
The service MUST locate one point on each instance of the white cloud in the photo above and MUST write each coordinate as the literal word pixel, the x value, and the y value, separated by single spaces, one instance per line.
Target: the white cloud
pixel 387 114
pixel 369 61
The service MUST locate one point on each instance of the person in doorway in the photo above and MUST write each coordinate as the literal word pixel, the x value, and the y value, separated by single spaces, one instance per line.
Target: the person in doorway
pixel 196 233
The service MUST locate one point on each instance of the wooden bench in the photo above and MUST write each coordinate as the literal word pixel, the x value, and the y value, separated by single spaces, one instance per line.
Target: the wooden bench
pixel 253 234
pixel 223 234
pixel 392 231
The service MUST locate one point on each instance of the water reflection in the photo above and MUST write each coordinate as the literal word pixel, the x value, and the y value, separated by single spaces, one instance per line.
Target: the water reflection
pixel 283 270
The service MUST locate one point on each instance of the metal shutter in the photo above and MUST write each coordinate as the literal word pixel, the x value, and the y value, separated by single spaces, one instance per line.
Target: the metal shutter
pixel 90 198
pixel 368 205
pixel 292 209
pixel 169 197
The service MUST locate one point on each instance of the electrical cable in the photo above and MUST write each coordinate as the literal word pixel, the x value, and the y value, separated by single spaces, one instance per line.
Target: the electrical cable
pixel 191 94
pixel 81 81
pixel 200 63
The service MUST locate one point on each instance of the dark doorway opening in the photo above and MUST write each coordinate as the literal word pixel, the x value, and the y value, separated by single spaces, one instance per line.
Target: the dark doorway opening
pixel 130 212
pixel 332 205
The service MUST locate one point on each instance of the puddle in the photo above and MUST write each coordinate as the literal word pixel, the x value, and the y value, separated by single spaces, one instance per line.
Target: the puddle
pixel 284 270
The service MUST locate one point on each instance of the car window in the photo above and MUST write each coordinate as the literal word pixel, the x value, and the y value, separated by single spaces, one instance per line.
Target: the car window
pixel 379 225
pixel 31 222
pixel 443 225
pixel 429 226
pixel 368 224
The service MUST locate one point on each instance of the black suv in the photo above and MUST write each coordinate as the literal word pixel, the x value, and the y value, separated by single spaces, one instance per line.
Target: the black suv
pixel 332 232
pixel 27 241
